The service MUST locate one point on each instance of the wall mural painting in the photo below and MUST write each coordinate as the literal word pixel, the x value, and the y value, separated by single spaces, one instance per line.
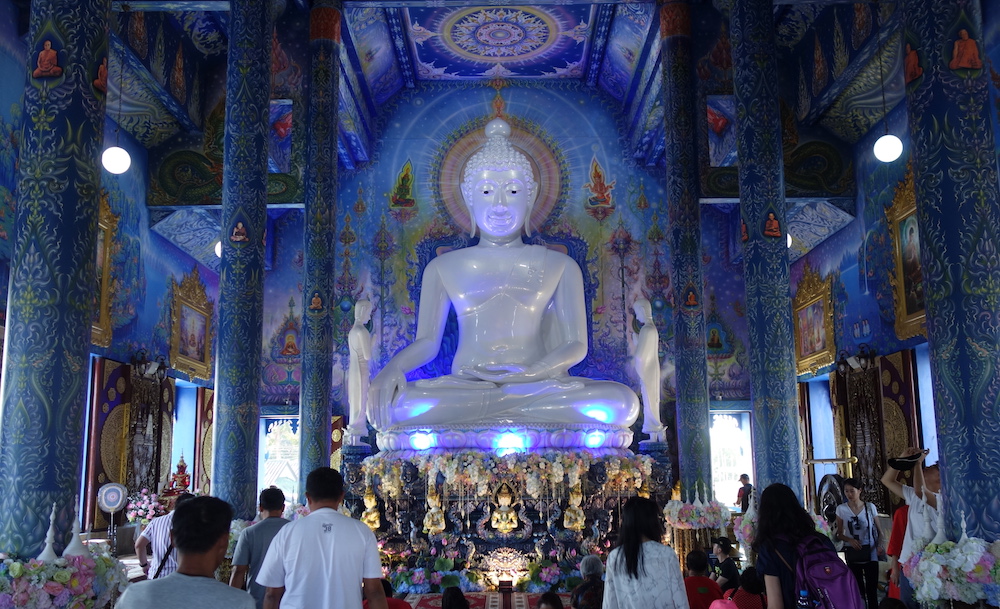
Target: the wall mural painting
pixel 279 141
pixel 281 355
pixel 191 338
pixel 907 279
pixel 725 321
pixel 721 118
pixel 374 47
pixel 813 319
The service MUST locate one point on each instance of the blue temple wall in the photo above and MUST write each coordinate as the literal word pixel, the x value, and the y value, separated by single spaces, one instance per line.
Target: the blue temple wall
pixel 13 58
pixel 726 331
pixel 991 40
pixel 281 358
pixel 388 233
pixel 855 257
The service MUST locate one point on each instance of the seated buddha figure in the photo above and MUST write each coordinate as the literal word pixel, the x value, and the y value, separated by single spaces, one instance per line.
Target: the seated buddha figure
pixel 504 518
pixel 522 321
pixel 574 519
pixel 371 515
pixel 434 520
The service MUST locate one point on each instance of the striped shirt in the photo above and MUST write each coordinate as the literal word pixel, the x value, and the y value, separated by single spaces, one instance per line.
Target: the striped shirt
pixel 158 534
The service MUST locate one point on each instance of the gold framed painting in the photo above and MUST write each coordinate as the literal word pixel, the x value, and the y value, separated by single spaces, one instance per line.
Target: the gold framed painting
pixel 107 225
pixel 812 311
pixel 191 321
pixel 907 277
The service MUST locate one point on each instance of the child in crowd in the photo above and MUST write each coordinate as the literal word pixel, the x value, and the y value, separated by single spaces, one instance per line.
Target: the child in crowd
pixel 750 594
pixel 701 590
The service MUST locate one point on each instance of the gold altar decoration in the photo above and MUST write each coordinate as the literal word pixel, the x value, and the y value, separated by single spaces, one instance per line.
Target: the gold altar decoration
pixel 812 311
pixel 504 517
pixel 191 335
pixel 107 227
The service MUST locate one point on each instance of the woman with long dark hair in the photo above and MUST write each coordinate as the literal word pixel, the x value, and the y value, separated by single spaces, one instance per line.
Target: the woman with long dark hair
pixel 858 528
pixel 642 573
pixel 782 523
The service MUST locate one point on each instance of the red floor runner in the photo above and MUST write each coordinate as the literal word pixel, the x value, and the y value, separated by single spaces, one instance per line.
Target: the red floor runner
pixel 480 600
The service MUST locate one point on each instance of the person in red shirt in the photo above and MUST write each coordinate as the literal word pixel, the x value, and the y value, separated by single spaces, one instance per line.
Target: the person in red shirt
pixel 899 519
pixel 750 594
pixel 701 590
pixel 393 603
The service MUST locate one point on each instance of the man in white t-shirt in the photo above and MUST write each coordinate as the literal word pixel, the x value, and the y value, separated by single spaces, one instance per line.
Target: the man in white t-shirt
pixel 325 559
pixel 922 504
pixel 200 533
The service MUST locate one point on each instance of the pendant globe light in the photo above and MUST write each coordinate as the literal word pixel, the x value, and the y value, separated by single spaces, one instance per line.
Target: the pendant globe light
pixel 888 147
pixel 115 158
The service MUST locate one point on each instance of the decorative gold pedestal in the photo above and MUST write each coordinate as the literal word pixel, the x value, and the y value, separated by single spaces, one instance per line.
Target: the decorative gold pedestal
pixel 687 540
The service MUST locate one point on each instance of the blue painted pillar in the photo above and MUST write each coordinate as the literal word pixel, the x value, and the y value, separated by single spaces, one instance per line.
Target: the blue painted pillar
pixel 954 159
pixel 694 446
pixel 241 278
pixel 52 274
pixel 320 219
pixel 777 449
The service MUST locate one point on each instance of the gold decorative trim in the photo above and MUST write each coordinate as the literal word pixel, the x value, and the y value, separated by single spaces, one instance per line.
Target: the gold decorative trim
pixel 813 300
pixel 107 228
pixel 191 315
pixel 910 321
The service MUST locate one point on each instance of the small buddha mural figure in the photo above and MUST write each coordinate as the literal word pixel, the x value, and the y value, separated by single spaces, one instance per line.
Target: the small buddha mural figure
pixel 101 82
pixel 434 522
pixel 371 515
pixel 504 518
pixel 574 518
pixel 965 53
pixel 771 226
pixel 239 233
pixel 316 304
pixel 48 62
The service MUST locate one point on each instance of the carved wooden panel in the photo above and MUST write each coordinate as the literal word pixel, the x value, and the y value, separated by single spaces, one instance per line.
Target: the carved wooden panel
pixel 106 442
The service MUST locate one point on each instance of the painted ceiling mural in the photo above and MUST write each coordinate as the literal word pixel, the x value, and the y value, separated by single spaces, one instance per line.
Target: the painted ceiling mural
pixel 411 68
pixel 463 43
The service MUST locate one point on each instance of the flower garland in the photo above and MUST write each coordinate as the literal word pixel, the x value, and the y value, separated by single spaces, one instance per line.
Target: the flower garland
pixel 73 582
pixel 698 515
pixel 745 527
pixel 427 580
pixel 143 507
pixel 483 471
pixel 965 571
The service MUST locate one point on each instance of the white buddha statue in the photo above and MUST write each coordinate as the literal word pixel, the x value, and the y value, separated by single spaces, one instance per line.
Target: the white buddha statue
pixel 522 325
pixel 647 367
pixel 360 349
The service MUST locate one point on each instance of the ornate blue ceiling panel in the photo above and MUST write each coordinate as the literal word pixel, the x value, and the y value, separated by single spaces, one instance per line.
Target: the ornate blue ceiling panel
pixel 372 42
pixel 500 42
pixel 195 231
pixel 626 44
pixel 812 221
pixel 859 107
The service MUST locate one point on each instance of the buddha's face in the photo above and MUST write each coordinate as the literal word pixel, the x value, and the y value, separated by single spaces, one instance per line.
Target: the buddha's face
pixel 499 202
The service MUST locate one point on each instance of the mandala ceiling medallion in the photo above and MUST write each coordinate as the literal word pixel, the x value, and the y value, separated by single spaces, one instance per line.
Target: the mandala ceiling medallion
pixel 502 34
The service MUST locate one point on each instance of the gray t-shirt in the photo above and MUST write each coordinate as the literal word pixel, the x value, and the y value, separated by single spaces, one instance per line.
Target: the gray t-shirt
pixel 251 548
pixel 179 591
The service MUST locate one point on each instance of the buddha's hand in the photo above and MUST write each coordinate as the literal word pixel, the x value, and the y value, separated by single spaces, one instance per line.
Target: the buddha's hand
pixel 382 394
pixel 505 373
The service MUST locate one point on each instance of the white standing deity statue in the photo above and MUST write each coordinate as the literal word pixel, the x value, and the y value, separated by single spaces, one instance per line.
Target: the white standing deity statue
pixel 647 366
pixel 359 342
pixel 522 324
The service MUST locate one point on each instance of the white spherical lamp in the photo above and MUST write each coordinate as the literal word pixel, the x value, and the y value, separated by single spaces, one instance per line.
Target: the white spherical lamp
pixel 218 249
pixel 116 160
pixel 888 148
